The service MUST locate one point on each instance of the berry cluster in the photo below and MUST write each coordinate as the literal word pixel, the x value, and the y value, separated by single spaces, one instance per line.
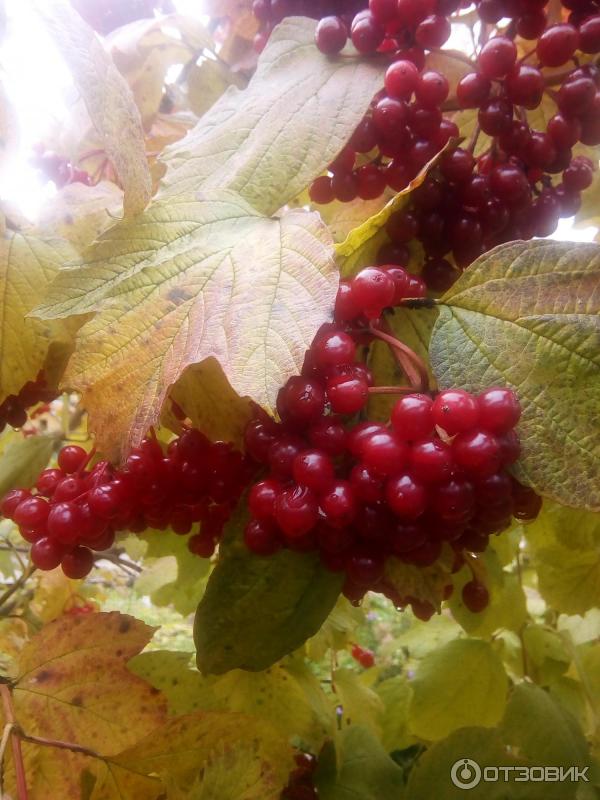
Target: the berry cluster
pixel 76 510
pixel 13 409
pixel 360 491
pixel 365 657
pixel 300 785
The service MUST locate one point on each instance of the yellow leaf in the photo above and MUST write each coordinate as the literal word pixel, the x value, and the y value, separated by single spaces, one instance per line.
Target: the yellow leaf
pixel 207 81
pixel 27 265
pixel 360 704
pixel 190 280
pixel 73 685
pixel 23 460
pixel 426 584
pixel 107 96
pixel 81 213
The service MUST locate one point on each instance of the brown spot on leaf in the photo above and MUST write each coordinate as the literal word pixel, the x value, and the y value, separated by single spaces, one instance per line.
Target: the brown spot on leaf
pixel 124 626
pixel 77 700
pixel 44 675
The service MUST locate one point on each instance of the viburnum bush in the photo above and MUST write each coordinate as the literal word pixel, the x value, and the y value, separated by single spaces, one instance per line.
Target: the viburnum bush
pixel 289 349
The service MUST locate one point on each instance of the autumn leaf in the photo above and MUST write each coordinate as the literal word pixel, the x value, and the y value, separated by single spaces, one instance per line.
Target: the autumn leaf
pixel 23 460
pixel 527 315
pixel 107 96
pixel 425 584
pixel 186 281
pixel 71 678
pixel 27 265
pixel 270 140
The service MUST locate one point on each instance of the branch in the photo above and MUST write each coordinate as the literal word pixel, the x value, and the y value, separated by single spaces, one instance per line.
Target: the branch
pixel 17 585
pixel 74 748
pixel 15 742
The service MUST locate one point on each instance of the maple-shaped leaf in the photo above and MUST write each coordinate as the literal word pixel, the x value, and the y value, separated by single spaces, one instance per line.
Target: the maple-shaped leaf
pixel 270 140
pixel 27 265
pixel 73 686
pixel 186 281
pixel 107 97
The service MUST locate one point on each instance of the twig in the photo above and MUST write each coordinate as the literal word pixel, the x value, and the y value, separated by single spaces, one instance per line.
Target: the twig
pixel 413 367
pixel 75 748
pixel 15 742
pixel 24 577
pixel 3 742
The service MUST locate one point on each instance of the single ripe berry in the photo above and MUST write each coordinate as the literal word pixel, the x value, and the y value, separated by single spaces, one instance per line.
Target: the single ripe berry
pixel 32 512
pixel 478 452
pixel 106 501
pixel 497 57
pixel 71 458
pixel 412 418
pixel 432 89
pixel 48 481
pixel 433 32
pixel 455 411
pixel 371 181
pixel 11 501
pixel 261 538
pixel 296 511
pixel 499 409
pixel 406 497
pixel 384 453
pixel 579 175
pixel 525 86
pixel 557 44
pixel 472 90
pixel 329 435
pixel 431 461
pixel 313 469
pixel 589 35
pixel 365 569
pixel 65 522
pixel 373 289
pixel 331 35
pixel 347 394
pixel 453 501
pixel 281 455
pixel 367 33
pixel 261 499
pixel 401 79
pixel 334 349
pixel 339 505
pixel 346 307
pixel 475 596
pixel 366 484
pixel 383 10
pixel 46 553
pixel 301 400
pixel 321 190
pixel 78 562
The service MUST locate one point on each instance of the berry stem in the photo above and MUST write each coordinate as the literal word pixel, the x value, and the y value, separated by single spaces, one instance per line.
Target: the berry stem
pixel 75 748
pixel 391 390
pixel 413 367
pixel 9 713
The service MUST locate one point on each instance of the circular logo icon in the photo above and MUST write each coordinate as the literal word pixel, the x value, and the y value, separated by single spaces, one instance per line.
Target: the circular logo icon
pixel 465 773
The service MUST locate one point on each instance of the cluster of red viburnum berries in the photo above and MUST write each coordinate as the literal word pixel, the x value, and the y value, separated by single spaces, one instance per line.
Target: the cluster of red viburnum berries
pixel 359 491
pixel 356 491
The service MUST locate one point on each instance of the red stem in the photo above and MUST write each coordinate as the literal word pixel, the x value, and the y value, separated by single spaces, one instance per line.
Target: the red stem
pixel 413 367
pixel 15 743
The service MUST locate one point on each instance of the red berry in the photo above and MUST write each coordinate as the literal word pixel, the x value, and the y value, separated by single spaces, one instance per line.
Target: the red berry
pixel 347 394
pixel 301 400
pixel 365 568
pixel 367 33
pixel 478 452
pixel 32 512
pixel 411 417
pixel 71 458
pixel 455 411
pixel 346 307
pixel 334 349
pixel 46 553
pixel 499 408
pixel 406 497
pixel 329 435
pixel 472 90
pixel 339 505
pixel 373 289
pixel 384 453
pixel 321 190
pixel 525 86
pixel 433 32
pixel 78 562
pixel 557 44
pixel 313 469
pixel 296 511
pixel 261 538
pixel 431 461
pixel 497 57
pixel 261 499
pixel 401 79
pixel 453 501
pixel 366 484
pixel 331 35
pixel 589 35
pixel 432 89
pixel 475 596
pixel 11 500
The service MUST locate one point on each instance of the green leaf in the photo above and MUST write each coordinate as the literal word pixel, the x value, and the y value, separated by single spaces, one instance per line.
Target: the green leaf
pixel 337 631
pixel 23 460
pixel 268 142
pixel 526 315
pixel 257 610
pixel 357 767
pixel 531 710
pixel 430 777
pixel 395 694
pixel 360 704
pixel 459 685
pixel 564 548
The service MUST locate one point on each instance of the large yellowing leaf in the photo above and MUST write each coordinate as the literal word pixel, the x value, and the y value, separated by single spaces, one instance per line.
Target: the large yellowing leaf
pixel 565 550
pixel 527 315
pixel 287 694
pixel 257 610
pixel 183 747
pixel 107 96
pixel 27 265
pixel 23 460
pixel 270 140
pixel 460 684
pixel 73 686
pixel 186 281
